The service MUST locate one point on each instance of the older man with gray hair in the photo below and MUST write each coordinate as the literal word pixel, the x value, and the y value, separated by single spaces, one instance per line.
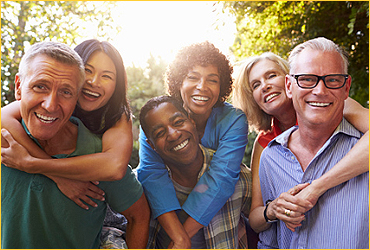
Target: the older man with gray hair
pixel 34 213
pixel 318 84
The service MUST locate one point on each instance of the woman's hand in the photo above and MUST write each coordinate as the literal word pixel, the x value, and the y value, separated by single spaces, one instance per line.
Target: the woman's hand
pixel 79 191
pixel 13 154
pixel 289 208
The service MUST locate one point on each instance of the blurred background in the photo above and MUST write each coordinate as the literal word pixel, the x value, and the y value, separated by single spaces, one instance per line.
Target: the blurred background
pixel 149 33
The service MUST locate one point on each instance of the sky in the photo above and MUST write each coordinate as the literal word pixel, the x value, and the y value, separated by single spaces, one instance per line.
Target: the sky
pixel 161 28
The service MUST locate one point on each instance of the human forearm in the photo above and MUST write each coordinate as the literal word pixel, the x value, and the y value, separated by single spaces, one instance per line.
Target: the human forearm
pixel 109 165
pixel 175 230
pixel 257 220
pixel 356 114
pixel 354 163
pixel 192 226
pixel 138 217
pixel 98 166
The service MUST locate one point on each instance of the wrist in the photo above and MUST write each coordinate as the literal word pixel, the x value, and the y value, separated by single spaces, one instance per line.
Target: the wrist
pixel 319 187
pixel 266 215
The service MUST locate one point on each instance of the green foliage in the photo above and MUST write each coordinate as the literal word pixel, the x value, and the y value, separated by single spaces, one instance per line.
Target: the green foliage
pixel 143 84
pixel 24 23
pixel 279 26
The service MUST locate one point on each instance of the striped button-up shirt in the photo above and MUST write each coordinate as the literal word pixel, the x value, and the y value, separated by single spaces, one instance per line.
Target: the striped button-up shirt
pixel 340 218
pixel 227 228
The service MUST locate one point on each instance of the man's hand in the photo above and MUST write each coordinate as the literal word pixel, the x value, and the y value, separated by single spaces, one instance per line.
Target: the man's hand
pixel 79 191
pixel 290 208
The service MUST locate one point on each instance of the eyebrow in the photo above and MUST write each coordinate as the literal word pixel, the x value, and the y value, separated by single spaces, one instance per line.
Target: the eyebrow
pixel 104 71
pixel 196 72
pixel 172 118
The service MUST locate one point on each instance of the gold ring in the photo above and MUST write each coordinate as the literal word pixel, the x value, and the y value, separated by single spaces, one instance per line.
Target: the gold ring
pixel 287 212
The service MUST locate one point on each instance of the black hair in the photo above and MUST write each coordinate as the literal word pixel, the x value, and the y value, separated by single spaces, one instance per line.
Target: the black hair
pixel 100 120
pixel 203 54
pixel 155 102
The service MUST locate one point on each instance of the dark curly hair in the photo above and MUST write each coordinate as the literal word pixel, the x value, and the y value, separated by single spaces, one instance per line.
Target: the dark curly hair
pixel 99 121
pixel 203 54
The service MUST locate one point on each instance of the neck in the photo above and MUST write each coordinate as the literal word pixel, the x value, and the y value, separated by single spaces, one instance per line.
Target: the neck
pixel 187 175
pixel 287 119
pixel 308 139
pixel 200 123
pixel 64 142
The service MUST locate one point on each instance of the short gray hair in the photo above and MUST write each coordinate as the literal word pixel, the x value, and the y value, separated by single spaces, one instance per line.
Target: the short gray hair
pixel 322 44
pixel 58 51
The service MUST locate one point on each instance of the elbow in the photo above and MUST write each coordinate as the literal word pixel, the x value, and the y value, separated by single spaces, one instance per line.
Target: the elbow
pixel 118 170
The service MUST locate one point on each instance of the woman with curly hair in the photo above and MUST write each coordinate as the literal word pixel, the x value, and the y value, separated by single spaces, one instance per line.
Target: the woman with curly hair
pixel 200 78
pixel 260 93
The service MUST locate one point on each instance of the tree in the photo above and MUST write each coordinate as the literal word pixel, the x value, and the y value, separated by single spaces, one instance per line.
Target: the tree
pixel 26 22
pixel 279 26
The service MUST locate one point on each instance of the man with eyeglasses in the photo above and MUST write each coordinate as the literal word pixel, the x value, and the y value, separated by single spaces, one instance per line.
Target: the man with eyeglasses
pixel 318 84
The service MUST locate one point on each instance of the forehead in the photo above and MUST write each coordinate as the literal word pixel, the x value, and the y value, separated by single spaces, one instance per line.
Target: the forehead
pixel 161 115
pixel 206 70
pixel 101 59
pixel 48 69
pixel 262 66
pixel 311 61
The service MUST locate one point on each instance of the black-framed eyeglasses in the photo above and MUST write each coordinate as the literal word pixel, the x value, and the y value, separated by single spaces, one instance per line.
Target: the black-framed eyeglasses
pixel 309 81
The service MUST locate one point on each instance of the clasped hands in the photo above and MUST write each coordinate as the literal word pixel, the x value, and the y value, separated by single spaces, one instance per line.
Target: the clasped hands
pixel 291 206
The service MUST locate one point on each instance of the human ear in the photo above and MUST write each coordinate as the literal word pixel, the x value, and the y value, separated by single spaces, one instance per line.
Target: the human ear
pixel 288 86
pixel 18 88
pixel 347 86
pixel 151 144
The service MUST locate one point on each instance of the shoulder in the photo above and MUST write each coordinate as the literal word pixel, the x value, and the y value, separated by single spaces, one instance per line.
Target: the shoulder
pixel 227 115
pixel 227 110
pixel 87 142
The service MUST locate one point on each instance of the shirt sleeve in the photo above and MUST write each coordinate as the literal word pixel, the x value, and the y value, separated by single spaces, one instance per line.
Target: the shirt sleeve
pixel 267 238
pixel 228 135
pixel 153 175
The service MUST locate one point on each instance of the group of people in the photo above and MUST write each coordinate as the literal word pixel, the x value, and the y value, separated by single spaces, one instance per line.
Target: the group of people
pixel 67 141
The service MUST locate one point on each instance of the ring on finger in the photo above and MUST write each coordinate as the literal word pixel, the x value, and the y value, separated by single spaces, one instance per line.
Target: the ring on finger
pixel 287 212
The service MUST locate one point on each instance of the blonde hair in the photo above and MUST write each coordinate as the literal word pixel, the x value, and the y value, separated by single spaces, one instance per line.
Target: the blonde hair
pixel 242 96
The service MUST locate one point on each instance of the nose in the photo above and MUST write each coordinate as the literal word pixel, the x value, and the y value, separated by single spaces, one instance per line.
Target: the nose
pixel 320 88
pixel 265 86
pixel 173 134
pixel 93 81
pixel 201 83
pixel 50 102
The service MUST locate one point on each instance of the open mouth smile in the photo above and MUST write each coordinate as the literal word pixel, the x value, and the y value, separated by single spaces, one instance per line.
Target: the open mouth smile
pixel 269 97
pixel 200 98
pixel 90 93
pixel 181 145
pixel 45 119
pixel 319 104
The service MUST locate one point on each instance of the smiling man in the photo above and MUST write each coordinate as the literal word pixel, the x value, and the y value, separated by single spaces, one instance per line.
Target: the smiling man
pixel 318 84
pixel 34 213
pixel 173 135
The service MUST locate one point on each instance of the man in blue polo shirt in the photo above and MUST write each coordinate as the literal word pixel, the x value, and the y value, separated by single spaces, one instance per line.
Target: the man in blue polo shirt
pixel 318 84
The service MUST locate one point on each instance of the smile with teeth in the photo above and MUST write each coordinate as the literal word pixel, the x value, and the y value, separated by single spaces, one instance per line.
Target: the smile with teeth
pixel 45 119
pixel 268 98
pixel 319 104
pixel 200 98
pixel 181 145
pixel 88 92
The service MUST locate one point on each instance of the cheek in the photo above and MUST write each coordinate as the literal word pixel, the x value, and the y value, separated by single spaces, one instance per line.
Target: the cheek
pixel 256 96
